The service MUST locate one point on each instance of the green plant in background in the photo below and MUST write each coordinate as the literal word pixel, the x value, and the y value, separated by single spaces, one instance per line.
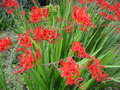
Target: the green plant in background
pixel 44 40
pixel 4 19
pixel 2 78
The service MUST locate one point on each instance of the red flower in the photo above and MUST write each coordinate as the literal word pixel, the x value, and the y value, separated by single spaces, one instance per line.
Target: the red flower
pixel 115 9
pixel 28 60
pixel 10 3
pixel 71 81
pixel 1 5
pixel 95 68
pixel 45 12
pixel 28 30
pixel 45 34
pixel 79 50
pixel 38 56
pixel 117 32
pixel 90 1
pixel 10 11
pixel 81 1
pixel 83 28
pixel 24 41
pixel 103 14
pixel 79 16
pixel 5 43
pixel 111 17
pixel 68 29
pixel 102 3
pixel 57 19
pixel 37 14
pixel 118 28
pixel 70 69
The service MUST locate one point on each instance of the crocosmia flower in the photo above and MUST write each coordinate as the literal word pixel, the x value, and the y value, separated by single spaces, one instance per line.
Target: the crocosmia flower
pixel 111 17
pixel 45 12
pixel 10 3
pixel 90 1
pixel 24 41
pixel 80 16
pixel 81 1
pixel 70 70
pixel 95 68
pixel 103 14
pixel 37 14
pixel 10 11
pixel 28 60
pixel 49 35
pixel 5 43
pixel 79 50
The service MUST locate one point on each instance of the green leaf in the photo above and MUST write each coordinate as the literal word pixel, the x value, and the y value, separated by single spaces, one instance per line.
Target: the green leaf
pixel 28 81
pixel 112 66
pixel 37 79
pixel 115 79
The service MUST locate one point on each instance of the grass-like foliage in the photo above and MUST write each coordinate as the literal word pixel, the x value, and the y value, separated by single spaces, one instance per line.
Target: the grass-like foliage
pixel 66 46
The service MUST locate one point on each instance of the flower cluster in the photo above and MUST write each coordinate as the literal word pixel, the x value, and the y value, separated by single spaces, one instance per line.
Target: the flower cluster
pixel 70 70
pixel 81 1
pixel 112 8
pixel 95 68
pixel 10 11
pixel 28 60
pixel 38 14
pixel 110 16
pixel 10 4
pixel 24 41
pixel 5 43
pixel 80 16
pixel 41 34
pixel 103 14
pixel 79 50
pixel 68 29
